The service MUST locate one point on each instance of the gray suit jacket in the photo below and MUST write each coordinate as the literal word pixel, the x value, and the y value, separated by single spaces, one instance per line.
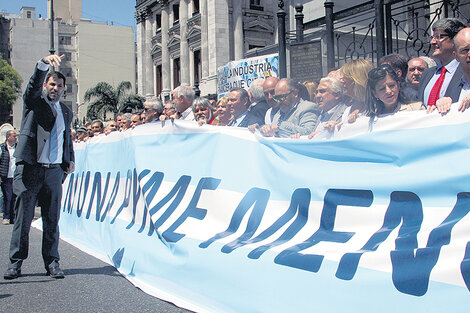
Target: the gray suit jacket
pixel 302 118
pixel 37 122
pixel 453 90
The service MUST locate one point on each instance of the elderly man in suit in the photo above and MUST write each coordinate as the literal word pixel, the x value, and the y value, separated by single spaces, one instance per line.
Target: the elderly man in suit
pixel 44 155
pixel 296 115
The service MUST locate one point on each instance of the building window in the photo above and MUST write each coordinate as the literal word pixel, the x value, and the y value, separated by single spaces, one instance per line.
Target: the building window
pixel 66 71
pixel 158 79
pixel 69 88
pixel 65 40
pixel 176 72
pixel 158 21
pixel 254 47
pixel 195 7
pixel 256 5
pixel 67 56
pixel 197 66
pixel 176 13
pixel 28 14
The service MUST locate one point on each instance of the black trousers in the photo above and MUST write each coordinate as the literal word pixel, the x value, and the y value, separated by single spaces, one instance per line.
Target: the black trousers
pixel 33 183
pixel 7 197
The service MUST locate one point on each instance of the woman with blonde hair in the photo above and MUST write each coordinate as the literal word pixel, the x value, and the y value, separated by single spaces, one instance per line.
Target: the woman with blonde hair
pixel 224 113
pixel 311 88
pixel 354 75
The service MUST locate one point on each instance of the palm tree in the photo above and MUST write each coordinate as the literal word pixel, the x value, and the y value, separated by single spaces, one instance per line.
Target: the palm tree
pixel 104 98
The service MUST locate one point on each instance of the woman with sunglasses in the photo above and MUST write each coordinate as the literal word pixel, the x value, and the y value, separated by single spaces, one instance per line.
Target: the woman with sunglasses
pixel 384 95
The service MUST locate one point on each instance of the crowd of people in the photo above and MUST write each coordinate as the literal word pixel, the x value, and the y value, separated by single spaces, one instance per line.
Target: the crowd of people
pixel 285 108
pixel 37 164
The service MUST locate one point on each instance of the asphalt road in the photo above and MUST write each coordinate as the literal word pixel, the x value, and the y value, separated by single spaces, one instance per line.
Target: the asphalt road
pixel 90 285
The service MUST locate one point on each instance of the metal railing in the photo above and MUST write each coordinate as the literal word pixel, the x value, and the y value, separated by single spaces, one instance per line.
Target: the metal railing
pixel 406 28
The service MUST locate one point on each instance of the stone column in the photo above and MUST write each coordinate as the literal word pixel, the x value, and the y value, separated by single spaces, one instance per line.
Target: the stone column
pixel 218 31
pixel 204 41
pixel 172 73
pixel 237 29
pixel 191 67
pixel 166 75
pixel 140 53
pixel 184 48
pixel 149 76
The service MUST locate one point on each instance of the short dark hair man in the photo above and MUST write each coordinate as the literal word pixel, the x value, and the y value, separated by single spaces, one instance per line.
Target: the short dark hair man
pixel 443 80
pixel 416 68
pixel 44 155
pixel 7 169
pixel 398 62
pixel 97 127
pixel 238 101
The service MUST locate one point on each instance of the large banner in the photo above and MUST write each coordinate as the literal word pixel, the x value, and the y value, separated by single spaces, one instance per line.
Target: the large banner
pixel 216 219
pixel 240 73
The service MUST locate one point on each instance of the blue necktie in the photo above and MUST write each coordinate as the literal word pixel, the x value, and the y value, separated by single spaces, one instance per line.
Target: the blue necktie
pixel 53 147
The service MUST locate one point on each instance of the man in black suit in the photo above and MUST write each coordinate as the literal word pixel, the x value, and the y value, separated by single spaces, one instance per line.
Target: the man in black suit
pixel 442 80
pixel 44 155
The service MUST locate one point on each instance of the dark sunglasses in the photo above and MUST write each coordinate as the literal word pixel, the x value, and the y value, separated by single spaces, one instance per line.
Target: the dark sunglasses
pixel 282 98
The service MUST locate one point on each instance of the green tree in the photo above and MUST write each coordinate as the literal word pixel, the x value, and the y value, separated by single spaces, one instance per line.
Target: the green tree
pixel 104 98
pixel 10 89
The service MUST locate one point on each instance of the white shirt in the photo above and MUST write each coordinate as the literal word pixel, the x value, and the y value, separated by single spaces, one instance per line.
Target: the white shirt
pixel 59 123
pixel 12 167
pixel 450 71
pixel 188 115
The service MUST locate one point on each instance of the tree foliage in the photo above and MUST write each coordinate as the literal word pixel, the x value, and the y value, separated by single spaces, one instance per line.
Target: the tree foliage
pixel 105 98
pixel 10 89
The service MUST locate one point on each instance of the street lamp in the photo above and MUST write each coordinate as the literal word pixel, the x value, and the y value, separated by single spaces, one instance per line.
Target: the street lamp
pixel 281 16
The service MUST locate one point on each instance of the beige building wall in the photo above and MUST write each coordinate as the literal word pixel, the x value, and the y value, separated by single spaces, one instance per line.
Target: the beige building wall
pixel 25 34
pixel 105 53
pixel 67 10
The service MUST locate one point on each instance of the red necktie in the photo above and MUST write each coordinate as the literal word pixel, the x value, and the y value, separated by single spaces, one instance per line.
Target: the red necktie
pixel 436 89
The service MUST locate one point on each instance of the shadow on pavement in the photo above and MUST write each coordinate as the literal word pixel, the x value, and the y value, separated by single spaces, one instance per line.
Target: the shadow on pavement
pixel 105 270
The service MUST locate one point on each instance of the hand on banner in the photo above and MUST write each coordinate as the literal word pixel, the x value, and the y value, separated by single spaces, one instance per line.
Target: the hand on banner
pixel 330 126
pixel 353 116
pixel 295 136
pixel 464 104
pixel 312 134
pixel 253 127
pixel 269 130
pixel 442 105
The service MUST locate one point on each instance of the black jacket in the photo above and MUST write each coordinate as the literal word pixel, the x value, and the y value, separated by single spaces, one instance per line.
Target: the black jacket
pixel 37 122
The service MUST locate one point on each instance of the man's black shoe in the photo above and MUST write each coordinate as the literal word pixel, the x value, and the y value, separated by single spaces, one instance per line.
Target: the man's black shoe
pixel 55 272
pixel 12 273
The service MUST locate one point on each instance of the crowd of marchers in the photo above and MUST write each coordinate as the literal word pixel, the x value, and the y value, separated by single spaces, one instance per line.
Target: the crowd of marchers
pixel 285 108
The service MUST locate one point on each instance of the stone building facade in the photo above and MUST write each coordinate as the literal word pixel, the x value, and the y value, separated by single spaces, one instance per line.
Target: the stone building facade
pixel 185 41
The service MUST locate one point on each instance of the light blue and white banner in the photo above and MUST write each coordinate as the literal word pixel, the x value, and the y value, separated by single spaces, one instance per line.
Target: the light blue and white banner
pixel 216 219
pixel 240 73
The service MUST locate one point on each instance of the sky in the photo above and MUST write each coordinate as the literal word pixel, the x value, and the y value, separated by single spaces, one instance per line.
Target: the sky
pixel 118 12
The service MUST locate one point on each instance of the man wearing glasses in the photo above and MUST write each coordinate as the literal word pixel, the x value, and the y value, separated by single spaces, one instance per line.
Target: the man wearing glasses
pixel 296 116
pixel 443 80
